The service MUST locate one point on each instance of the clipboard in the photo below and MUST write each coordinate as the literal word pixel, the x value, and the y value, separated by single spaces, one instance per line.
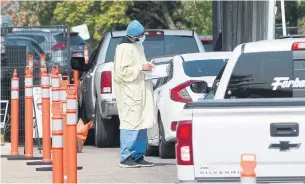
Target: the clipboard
pixel 158 71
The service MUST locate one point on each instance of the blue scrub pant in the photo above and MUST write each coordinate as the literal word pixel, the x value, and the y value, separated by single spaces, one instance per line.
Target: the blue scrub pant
pixel 133 143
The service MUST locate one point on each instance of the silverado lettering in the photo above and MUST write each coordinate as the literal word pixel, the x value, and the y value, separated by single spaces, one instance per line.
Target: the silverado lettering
pixel 219 172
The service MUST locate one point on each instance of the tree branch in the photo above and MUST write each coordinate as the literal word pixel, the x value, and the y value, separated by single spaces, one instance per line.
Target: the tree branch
pixel 167 16
pixel 157 17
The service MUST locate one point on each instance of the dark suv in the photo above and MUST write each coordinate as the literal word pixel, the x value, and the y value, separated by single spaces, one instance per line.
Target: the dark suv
pixel 54 43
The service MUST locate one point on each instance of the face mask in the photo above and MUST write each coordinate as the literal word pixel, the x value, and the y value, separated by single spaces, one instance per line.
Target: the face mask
pixel 141 40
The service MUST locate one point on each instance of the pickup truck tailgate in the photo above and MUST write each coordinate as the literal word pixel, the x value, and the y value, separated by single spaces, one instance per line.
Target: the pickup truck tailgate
pixel 273 130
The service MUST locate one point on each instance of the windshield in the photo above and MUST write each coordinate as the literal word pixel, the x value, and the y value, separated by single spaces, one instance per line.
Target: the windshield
pixel 75 39
pixel 199 68
pixel 38 38
pixel 268 75
pixel 159 45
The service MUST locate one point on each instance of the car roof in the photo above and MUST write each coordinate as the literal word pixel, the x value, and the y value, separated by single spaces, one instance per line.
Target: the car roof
pixel 24 38
pixel 166 32
pixel 35 32
pixel 20 37
pixel 269 45
pixel 206 55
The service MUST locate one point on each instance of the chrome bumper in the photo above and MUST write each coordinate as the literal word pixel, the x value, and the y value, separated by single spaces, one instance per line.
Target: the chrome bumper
pixel 108 108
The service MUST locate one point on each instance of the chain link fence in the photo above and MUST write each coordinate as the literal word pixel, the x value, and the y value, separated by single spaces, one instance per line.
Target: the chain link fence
pixel 289 31
pixel 17 44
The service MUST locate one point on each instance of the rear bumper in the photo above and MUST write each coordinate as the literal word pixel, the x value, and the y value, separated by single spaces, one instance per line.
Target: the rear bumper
pixel 108 108
pixel 280 179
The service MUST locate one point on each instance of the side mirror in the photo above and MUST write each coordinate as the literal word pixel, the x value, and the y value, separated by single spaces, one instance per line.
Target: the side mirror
pixel 78 63
pixel 200 87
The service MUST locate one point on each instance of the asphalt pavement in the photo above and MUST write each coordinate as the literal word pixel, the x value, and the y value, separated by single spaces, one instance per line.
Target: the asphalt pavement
pixel 100 165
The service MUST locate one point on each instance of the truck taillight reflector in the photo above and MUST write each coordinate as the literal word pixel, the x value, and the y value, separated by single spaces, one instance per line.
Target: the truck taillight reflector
pixel 184 147
pixel 174 126
pixel 298 46
pixel 106 82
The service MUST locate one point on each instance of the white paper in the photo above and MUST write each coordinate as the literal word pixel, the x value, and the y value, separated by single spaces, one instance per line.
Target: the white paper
pixel 157 72
pixel 82 30
pixel 3 112
pixel 38 109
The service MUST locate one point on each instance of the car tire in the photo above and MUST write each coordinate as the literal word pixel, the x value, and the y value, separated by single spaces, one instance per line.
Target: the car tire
pixel 106 130
pixel 83 116
pixel 166 149
pixel 83 113
pixel 151 150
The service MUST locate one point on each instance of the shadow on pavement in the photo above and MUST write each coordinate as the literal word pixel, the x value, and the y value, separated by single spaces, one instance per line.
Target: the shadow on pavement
pixel 163 164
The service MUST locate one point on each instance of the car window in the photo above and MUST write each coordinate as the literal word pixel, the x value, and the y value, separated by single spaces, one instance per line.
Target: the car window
pixel 259 75
pixel 159 45
pixel 31 47
pixel 208 47
pixel 37 49
pixel 75 39
pixel 199 68
pixel 25 43
pixel 180 45
pixel 209 96
pixel 219 75
pixel 98 49
pixel 38 38
pixel 10 42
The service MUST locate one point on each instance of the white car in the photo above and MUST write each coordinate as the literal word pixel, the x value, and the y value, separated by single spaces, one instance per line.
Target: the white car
pixel 173 92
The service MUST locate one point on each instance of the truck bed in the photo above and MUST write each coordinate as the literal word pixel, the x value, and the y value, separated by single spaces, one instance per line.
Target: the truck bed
pixel 272 129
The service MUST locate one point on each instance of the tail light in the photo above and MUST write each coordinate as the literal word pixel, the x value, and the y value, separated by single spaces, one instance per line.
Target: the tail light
pixel 298 46
pixel 184 147
pixel 174 126
pixel 180 94
pixel 206 40
pixel 106 82
pixel 154 33
pixel 59 46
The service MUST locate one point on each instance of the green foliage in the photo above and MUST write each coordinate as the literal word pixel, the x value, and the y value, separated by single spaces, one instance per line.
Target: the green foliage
pixel 35 12
pixel 100 16
pixel 301 14
pixel 155 14
pixel 199 15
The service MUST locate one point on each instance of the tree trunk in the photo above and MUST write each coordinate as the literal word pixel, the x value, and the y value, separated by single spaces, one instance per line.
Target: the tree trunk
pixel 167 17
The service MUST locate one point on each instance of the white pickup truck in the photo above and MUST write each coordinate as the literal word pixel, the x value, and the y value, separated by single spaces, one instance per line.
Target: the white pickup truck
pixel 96 96
pixel 258 108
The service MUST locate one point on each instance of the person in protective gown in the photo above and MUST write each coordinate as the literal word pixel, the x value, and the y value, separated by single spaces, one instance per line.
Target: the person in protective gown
pixel 134 96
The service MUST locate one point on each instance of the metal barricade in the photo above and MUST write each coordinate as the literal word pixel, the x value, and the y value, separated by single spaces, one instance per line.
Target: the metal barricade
pixel 289 31
pixel 24 46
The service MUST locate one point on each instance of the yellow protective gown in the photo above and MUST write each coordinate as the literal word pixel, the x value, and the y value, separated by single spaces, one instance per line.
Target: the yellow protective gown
pixel 134 95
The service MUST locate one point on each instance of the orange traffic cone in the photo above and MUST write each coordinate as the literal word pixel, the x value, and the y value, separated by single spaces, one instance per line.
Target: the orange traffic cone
pixel 248 165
